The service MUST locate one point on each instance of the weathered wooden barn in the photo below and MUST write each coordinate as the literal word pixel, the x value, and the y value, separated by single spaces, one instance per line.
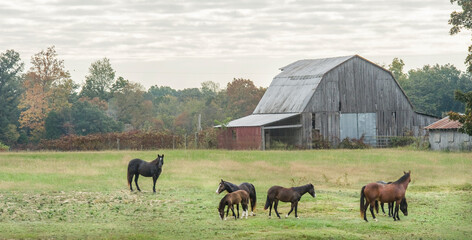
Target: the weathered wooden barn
pixel 444 135
pixel 333 98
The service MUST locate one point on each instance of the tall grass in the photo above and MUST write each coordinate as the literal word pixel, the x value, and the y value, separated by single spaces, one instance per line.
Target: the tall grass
pixel 85 194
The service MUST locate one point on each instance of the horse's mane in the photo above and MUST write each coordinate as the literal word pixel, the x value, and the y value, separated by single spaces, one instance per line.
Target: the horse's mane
pixel 403 178
pixel 233 187
pixel 302 188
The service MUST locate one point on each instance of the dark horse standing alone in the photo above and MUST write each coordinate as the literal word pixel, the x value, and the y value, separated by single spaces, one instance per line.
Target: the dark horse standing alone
pixel 293 195
pixel 384 193
pixel 249 188
pixel 147 169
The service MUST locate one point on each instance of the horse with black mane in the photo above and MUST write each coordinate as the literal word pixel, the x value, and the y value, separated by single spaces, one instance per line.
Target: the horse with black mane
pixel 292 195
pixel 147 169
pixel 403 205
pixel 248 187
pixel 232 198
pixel 393 192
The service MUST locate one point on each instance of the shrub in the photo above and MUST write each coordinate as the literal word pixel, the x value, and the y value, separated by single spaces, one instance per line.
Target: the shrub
pixel 3 147
pixel 402 141
pixel 352 143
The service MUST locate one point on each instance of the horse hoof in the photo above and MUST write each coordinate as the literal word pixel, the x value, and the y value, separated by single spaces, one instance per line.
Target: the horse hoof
pixel 376 220
pixel 286 216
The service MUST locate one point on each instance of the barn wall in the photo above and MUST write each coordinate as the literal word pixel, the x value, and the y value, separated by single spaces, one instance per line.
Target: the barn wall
pixel 358 86
pixel 449 140
pixel 240 138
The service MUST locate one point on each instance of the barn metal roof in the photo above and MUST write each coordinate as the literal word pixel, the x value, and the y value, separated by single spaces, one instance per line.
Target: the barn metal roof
pixel 257 120
pixel 292 89
pixel 445 123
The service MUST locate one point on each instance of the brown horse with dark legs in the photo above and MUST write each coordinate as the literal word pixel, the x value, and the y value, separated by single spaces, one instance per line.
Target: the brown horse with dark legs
pixel 403 205
pixel 230 200
pixel 384 193
pixel 248 187
pixel 292 195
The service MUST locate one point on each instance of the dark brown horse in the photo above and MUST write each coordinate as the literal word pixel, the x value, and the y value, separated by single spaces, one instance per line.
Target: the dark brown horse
pixel 384 193
pixel 292 195
pixel 147 169
pixel 232 198
pixel 248 187
pixel 403 205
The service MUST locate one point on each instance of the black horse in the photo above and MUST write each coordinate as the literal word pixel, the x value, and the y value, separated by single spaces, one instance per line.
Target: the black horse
pixel 147 169
pixel 292 195
pixel 249 188
pixel 403 204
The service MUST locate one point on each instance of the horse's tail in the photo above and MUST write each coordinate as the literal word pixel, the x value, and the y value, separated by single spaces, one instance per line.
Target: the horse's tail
pixel 252 196
pixel 362 202
pixel 268 202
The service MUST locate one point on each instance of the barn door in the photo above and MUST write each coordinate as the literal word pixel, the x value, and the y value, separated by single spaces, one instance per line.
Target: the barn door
pixel 354 125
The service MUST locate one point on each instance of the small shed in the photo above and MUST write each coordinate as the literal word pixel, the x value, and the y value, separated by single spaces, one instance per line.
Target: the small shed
pixel 444 135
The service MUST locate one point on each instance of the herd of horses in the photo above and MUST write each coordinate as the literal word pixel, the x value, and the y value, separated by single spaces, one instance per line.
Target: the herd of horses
pixel 371 194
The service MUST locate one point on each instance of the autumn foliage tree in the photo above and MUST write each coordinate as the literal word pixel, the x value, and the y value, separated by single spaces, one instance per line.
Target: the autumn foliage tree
pixel 243 97
pixel 42 94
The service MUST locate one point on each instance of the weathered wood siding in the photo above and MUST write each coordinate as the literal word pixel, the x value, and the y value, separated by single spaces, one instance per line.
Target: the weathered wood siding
pixel 359 86
pixel 451 140
pixel 240 138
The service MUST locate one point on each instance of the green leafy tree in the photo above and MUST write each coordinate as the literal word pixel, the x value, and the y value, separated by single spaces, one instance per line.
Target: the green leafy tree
pixel 88 119
pixel 431 88
pixel 11 67
pixel 462 20
pixel 396 67
pixel 466 118
pixel 99 81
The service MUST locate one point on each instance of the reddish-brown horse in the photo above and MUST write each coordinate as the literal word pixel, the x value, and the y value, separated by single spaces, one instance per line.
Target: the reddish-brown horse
pixel 292 195
pixel 231 199
pixel 384 193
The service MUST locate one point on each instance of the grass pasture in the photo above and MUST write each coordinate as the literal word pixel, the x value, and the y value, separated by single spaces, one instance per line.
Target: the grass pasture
pixel 81 195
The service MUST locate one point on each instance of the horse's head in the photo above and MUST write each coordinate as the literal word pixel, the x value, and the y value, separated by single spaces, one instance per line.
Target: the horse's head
pixel 311 191
pixel 404 207
pixel 221 187
pixel 409 175
pixel 222 213
pixel 160 161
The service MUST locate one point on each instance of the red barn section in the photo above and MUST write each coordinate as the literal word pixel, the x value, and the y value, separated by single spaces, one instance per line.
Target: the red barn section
pixel 240 138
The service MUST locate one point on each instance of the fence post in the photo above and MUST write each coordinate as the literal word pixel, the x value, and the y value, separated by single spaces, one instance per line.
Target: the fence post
pixel 118 143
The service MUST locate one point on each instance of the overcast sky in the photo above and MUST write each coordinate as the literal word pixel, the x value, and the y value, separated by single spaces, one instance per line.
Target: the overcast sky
pixel 186 42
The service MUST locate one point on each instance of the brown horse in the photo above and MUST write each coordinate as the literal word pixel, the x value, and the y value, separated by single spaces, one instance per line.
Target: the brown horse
pixel 293 195
pixel 384 193
pixel 248 187
pixel 232 198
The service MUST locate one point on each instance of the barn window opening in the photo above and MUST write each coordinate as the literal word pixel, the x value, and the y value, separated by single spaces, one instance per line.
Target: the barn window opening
pixel 233 134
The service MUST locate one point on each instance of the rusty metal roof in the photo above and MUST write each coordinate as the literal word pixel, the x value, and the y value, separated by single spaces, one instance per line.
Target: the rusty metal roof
pixel 445 123
pixel 257 120
pixel 292 89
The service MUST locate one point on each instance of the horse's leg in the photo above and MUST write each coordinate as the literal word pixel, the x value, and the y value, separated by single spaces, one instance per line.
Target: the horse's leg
pixel 136 176
pixel 270 209
pixel 227 211
pixel 276 203
pixel 397 205
pixel 130 181
pixel 154 179
pixel 390 209
pixel 372 210
pixel 232 210
pixel 377 206
pixel 366 205
pixel 382 206
pixel 296 210
pixel 291 209
pixel 237 208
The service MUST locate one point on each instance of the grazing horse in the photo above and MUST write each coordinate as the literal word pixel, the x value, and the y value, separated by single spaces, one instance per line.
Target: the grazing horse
pixel 236 197
pixel 293 195
pixel 249 188
pixel 147 169
pixel 403 205
pixel 393 192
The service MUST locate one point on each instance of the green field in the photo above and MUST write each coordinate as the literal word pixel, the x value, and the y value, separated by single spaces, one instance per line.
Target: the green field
pixel 81 195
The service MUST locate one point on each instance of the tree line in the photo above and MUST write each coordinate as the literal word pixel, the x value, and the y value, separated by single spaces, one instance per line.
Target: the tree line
pixel 45 103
